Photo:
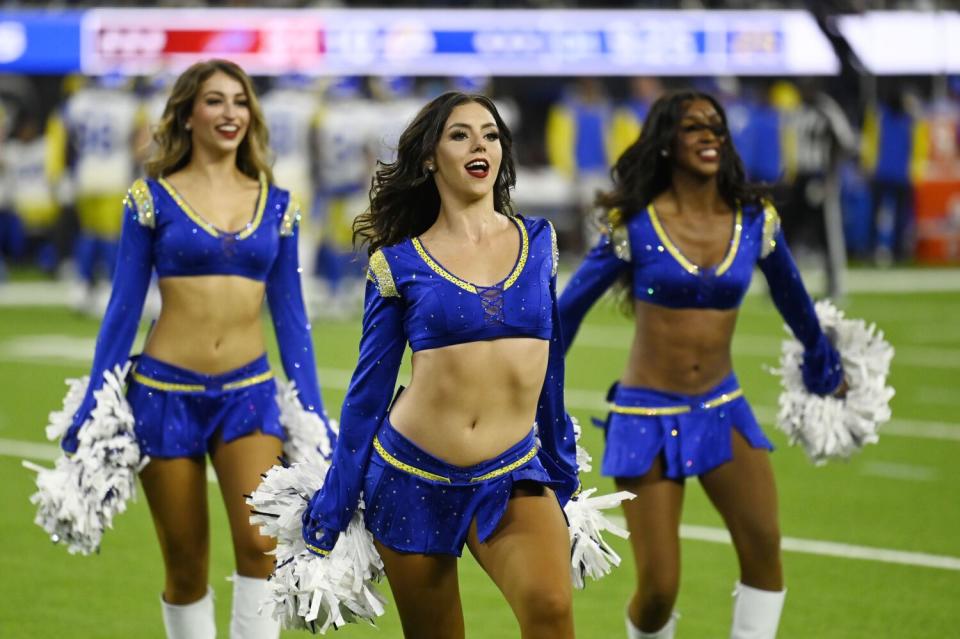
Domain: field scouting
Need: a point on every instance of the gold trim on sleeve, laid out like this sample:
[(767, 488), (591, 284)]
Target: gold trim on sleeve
[(771, 224), (142, 199), (317, 549), (554, 249), (381, 275), (291, 217)]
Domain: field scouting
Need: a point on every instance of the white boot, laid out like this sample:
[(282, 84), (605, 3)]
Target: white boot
[(246, 621), (756, 613), (664, 633), (190, 621)]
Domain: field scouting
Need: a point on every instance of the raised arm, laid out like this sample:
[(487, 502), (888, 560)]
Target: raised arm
[(131, 278), (822, 368), (598, 271), (366, 404), (285, 299)]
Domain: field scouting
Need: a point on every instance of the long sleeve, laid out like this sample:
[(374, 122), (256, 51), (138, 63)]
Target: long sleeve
[(598, 271), (366, 404), (822, 368), (558, 445), (285, 299), (131, 279)]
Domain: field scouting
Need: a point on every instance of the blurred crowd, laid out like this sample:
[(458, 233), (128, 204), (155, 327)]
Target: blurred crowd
[(880, 184)]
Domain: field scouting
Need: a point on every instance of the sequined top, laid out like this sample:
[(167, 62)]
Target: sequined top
[(662, 275), (161, 231), (410, 297)]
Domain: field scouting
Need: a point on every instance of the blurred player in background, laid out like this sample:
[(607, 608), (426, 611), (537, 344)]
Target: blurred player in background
[(101, 120), (578, 143), (33, 164), (816, 135), (347, 126), (628, 117)]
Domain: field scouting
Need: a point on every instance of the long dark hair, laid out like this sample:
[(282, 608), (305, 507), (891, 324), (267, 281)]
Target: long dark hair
[(643, 172), (404, 201)]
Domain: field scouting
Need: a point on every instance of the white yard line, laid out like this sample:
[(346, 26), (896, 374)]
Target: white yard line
[(49, 452), (906, 472)]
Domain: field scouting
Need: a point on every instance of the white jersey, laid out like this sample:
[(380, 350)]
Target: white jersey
[(344, 131), (101, 124), (393, 116), (26, 171), (290, 114)]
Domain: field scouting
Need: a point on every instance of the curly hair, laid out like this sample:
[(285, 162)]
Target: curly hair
[(642, 172), (404, 200), (174, 144)]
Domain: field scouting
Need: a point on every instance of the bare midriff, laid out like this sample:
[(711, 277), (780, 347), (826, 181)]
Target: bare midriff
[(468, 403), (208, 324), (680, 350)]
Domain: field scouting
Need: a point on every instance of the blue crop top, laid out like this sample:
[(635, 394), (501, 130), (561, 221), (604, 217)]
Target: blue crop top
[(161, 231), (411, 298), (663, 276)]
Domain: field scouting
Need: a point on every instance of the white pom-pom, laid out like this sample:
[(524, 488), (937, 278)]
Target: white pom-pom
[(307, 438), (591, 555), (830, 427), (584, 460), (78, 498), (309, 592)]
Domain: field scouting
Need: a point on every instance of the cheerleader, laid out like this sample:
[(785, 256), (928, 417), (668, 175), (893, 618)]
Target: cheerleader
[(221, 238), (684, 231), (454, 459)]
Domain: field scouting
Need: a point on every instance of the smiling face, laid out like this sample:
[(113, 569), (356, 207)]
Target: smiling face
[(221, 114), (467, 158), (701, 137)]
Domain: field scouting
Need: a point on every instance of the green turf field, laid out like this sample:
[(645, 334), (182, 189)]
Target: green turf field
[(900, 495)]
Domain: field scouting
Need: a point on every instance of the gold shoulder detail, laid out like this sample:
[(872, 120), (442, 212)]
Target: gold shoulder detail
[(381, 275), (619, 236), (291, 217), (771, 224), (554, 248), (141, 198)]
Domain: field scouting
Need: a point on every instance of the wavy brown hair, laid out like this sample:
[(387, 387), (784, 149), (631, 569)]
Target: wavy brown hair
[(642, 172), (173, 141), (404, 200)]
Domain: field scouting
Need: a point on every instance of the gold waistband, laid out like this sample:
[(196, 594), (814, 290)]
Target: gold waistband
[(140, 378), (720, 400), (413, 470)]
